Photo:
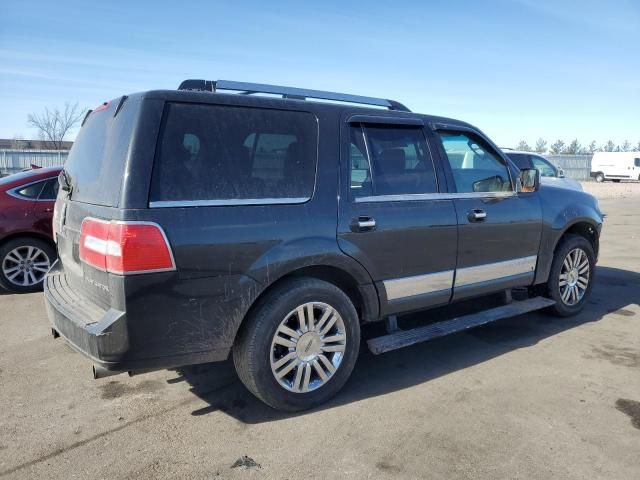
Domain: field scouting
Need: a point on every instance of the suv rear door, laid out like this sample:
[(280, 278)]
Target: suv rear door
[(391, 218), (499, 229)]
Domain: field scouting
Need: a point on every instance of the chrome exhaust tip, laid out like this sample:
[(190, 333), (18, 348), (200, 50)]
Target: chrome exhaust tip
[(101, 372)]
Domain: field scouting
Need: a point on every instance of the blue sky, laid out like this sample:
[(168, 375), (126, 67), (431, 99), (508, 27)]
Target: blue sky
[(515, 68)]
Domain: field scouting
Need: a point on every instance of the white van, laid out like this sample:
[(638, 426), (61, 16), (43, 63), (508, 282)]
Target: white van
[(615, 166)]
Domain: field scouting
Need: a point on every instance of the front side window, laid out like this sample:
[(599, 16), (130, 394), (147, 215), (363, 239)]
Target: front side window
[(636, 162), (475, 168), (544, 167), (212, 152), (390, 160)]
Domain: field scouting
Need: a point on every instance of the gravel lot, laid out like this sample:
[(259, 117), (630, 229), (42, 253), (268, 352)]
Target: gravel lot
[(532, 397)]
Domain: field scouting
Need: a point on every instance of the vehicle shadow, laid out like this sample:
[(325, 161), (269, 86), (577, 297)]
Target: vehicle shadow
[(218, 385)]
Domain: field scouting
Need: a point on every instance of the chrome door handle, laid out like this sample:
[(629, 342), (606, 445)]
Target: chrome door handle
[(363, 224), (477, 215)]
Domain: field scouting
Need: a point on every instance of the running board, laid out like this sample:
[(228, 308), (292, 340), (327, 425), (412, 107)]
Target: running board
[(404, 338)]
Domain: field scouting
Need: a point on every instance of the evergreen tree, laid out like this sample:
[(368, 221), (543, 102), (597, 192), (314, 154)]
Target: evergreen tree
[(557, 147), (541, 145)]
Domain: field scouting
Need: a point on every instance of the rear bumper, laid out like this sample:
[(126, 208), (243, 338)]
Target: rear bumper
[(104, 336)]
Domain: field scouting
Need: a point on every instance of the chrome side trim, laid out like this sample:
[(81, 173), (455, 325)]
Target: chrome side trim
[(433, 196), (418, 285), (495, 271), (227, 202)]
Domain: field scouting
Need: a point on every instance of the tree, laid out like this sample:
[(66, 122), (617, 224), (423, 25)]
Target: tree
[(573, 148), (637, 149), (609, 146), (523, 146), (557, 147), (541, 145), (626, 146), (592, 147), (54, 125)]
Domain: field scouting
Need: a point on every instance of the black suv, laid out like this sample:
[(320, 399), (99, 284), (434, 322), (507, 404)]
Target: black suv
[(193, 224)]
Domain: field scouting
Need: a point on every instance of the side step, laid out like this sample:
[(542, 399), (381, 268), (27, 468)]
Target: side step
[(404, 338)]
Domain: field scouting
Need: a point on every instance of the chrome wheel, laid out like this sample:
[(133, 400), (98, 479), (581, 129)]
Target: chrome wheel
[(25, 266), (308, 347), (574, 277)]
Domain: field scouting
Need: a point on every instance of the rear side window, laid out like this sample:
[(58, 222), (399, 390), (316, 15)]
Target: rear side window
[(223, 154), (30, 191), (390, 160), (475, 167), (522, 161)]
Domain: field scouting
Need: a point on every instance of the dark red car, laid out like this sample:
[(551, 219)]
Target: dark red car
[(27, 249)]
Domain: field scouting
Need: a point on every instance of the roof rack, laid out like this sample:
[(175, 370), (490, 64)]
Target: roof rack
[(246, 88)]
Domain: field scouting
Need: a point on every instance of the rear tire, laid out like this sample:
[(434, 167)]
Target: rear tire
[(571, 276), (24, 262), (292, 364), (599, 177)]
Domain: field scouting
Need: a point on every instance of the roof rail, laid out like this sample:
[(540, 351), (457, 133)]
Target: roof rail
[(246, 88)]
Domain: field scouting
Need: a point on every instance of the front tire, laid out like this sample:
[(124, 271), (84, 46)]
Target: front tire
[(299, 344), (24, 261), (571, 276)]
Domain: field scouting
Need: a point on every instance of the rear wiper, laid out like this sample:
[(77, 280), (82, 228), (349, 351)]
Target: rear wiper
[(65, 182)]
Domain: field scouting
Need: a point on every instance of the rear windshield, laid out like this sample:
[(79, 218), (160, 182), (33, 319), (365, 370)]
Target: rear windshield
[(97, 159), (223, 154)]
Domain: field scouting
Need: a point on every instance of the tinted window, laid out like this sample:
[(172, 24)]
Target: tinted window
[(637, 162), (50, 190), (475, 167), (31, 191), (394, 160), (522, 161), (209, 152), (96, 160), (544, 167)]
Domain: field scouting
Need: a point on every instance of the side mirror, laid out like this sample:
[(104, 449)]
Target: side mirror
[(560, 173), (529, 180)]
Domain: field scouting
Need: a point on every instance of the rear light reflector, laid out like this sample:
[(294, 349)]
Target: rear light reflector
[(125, 247)]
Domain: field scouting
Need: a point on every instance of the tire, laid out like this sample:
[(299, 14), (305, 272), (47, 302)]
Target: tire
[(256, 352), (616, 180), (599, 177), (571, 305), (37, 255)]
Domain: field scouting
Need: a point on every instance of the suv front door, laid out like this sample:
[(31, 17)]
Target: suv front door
[(392, 218), (499, 229)]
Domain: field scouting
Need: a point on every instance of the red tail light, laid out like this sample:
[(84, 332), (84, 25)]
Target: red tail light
[(125, 247)]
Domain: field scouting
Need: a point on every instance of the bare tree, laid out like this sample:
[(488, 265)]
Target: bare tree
[(592, 147), (626, 146), (637, 148), (609, 146), (54, 125)]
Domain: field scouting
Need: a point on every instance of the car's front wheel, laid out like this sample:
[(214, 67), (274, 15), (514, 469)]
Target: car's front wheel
[(299, 344), (24, 262), (572, 274)]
